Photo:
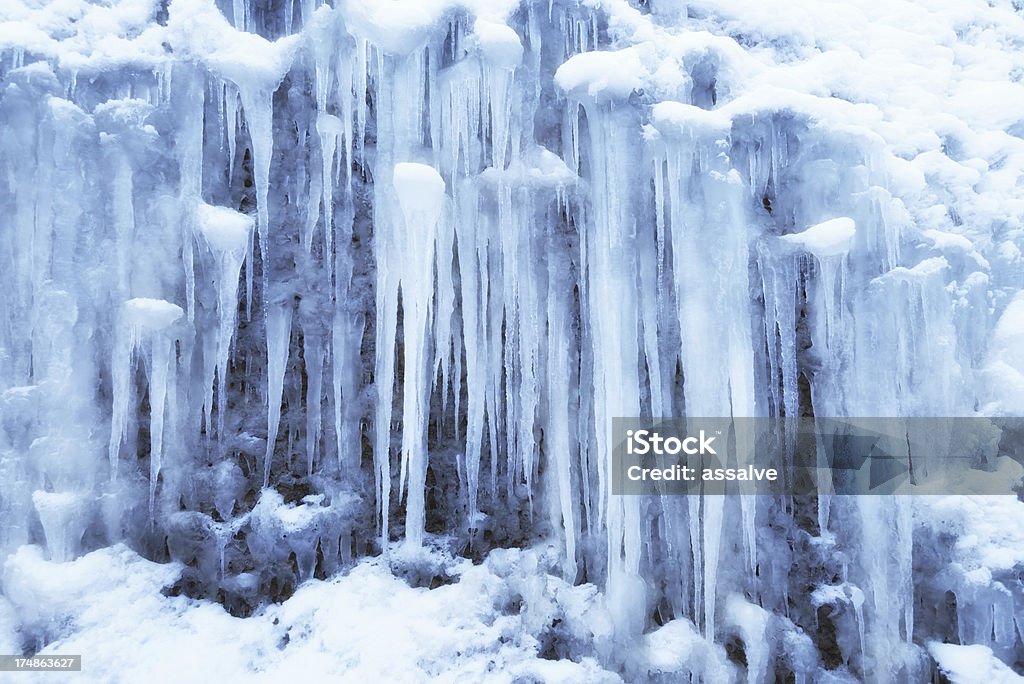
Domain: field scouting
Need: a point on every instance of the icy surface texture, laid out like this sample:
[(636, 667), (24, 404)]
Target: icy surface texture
[(298, 289)]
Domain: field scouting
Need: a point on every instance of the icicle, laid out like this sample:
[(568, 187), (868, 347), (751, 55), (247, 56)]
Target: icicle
[(231, 124), (347, 95), (442, 333), (330, 128), (472, 243), (347, 330), (502, 52), (190, 141), (779, 277), (226, 233), (143, 323), (556, 438), (386, 330), (157, 403), (346, 336), (706, 215), (238, 14), (359, 95), (612, 304), (209, 355), (649, 303), (258, 104), (279, 331), (120, 371), (313, 354), (421, 196)]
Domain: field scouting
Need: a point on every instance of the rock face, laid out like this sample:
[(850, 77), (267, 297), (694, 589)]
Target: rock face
[(291, 285)]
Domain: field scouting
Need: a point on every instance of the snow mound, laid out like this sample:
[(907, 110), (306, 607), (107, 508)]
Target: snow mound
[(537, 168), (401, 26), (197, 30), (225, 230), (827, 239), (970, 664), (420, 189), (601, 76), (499, 43), (676, 648), (149, 315), (674, 119)]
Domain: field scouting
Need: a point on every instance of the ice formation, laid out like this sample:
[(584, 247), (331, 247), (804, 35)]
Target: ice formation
[(299, 289)]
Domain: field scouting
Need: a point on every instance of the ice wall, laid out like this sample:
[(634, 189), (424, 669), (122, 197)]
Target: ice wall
[(289, 284)]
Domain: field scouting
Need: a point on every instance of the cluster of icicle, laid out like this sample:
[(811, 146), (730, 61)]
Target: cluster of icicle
[(450, 249)]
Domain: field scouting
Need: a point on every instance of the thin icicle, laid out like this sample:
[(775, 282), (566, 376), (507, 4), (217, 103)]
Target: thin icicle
[(313, 354), (279, 331)]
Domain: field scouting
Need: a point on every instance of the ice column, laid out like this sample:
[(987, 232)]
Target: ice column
[(401, 94), (710, 248), (613, 308), (421, 196), (556, 439)]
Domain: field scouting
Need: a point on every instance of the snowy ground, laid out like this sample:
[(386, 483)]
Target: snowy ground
[(508, 619), (366, 625)]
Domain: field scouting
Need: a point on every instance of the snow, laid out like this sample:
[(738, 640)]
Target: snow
[(150, 315), (196, 30), (401, 26), (225, 230), (536, 168), (84, 36), (827, 239), (676, 118), (420, 191), (1004, 366), (388, 630), (974, 663), (499, 43), (678, 649), (986, 527), (601, 75)]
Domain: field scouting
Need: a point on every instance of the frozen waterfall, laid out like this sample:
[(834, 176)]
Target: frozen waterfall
[(298, 294)]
